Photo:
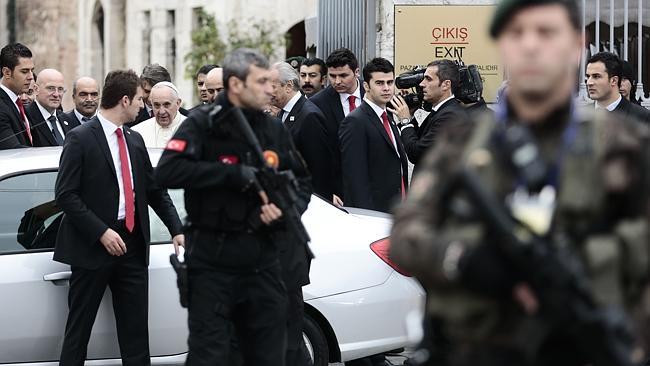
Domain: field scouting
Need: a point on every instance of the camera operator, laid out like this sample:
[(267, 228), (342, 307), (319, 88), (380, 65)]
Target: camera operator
[(439, 80)]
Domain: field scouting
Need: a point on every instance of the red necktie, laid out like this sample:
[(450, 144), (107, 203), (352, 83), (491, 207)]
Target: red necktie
[(19, 103), (351, 100), (389, 132), (126, 181)]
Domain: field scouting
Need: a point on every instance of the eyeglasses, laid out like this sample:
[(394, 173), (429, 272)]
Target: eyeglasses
[(54, 89)]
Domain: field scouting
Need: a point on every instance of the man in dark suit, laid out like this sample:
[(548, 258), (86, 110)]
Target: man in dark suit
[(151, 75), (17, 74), (307, 126), (373, 160), (604, 73), (104, 186), (85, 95), (440, 79), (343, 95), (49, 126)]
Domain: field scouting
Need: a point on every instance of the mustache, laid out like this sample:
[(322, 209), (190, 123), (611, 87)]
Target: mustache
[(89, 104), (307, 85)]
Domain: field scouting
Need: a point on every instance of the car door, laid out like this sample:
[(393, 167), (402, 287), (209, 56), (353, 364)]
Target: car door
[(34, 288)]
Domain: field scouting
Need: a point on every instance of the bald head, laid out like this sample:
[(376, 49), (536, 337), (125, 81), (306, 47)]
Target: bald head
[(85, 94), (165, 102), (49, 89), (214, 83)]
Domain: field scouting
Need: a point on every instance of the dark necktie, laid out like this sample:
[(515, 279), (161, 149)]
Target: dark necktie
[(55, 130), (389, 132), (126, 181), (84, 119), (28, 130), (351, 101)]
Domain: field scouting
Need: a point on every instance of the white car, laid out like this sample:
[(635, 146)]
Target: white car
[(356, 305)]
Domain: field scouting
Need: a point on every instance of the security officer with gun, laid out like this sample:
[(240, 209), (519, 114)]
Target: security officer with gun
[(244, 184), (529, 229)]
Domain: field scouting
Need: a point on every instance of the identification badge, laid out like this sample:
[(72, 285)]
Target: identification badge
[(534, 210)]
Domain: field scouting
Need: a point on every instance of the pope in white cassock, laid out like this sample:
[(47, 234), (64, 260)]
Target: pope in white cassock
[(159, 129)]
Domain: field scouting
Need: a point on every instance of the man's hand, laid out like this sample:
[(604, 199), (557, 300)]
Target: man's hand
[(113, 243), (178, 241), (401, 108), (338, 202), (270, 212)]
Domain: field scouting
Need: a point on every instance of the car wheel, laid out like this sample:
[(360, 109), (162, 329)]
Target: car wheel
[(315, 342)]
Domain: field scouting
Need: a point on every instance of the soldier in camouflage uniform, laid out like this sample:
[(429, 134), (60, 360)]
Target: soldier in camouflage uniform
[(480, 309)]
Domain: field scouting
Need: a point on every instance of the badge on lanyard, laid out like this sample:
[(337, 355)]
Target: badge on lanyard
[(534, 210)]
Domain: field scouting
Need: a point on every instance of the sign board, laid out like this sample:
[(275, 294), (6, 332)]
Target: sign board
[(424, 33)]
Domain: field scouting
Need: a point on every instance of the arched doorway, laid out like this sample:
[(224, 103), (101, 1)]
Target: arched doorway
[(296, 40), (97, 69)]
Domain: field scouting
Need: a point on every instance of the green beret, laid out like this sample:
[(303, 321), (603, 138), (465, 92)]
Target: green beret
[(507, 8)]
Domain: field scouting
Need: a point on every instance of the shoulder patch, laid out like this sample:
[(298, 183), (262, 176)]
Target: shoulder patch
[(176, 145)]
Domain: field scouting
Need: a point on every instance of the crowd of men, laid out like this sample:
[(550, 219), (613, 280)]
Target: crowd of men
[(348, 136)]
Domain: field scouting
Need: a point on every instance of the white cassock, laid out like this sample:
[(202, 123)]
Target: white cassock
[(156, 136)]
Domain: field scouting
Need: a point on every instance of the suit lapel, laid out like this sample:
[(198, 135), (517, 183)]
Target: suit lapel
[(336, 106), (290, 121), (36, 121), (133, 154), (103, 143), (378, 124), (11, 104)]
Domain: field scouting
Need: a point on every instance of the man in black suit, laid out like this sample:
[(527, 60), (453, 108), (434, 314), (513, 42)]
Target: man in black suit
[(49, 126), (151, 75), (440, 79), (342, 96), (104, 186), (373, 160), (85, 95), (307, 126), (201, 75), (604, 73), (17, 74)]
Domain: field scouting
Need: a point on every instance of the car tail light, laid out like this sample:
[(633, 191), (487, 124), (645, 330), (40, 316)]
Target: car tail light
[(382, 249)]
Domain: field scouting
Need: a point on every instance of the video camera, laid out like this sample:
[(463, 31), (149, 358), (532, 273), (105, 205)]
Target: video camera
[(468, 90)]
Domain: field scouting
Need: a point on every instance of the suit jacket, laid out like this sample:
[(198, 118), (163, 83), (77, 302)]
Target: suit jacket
[(329, 102), (418, 140), (308, 128), (12, 129), (629, 110), (87, 191), (371, 166), (41, 132), (143, 115)]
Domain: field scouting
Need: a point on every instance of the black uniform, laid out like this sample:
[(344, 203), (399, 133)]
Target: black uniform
[(234, 271)]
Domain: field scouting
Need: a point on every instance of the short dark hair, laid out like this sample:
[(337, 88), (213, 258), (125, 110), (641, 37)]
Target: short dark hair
[(117, 84), (316, 61), (205, 69), (238, 64), (154, 73), (10, 54), (628, 72), (613, 64), (447, 70), (506, 9), (341, 57), (377, 64)]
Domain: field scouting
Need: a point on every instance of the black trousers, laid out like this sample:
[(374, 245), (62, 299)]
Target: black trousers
[(297, 354), (127, 277), (253, 304)]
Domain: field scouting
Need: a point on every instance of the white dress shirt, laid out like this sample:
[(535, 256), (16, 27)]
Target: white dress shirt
[(289, 106), (80, 116), (47, 115), (345, 96), (612, 106), (109, 130), (379, 111), (155, 135)]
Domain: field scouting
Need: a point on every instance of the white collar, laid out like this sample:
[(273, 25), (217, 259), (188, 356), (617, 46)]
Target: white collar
[(613, 105), (292, 102), (44, 111), (356, 93), (108, 126), (378, 110), (435, 109), (80, 116), (10, 93)]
